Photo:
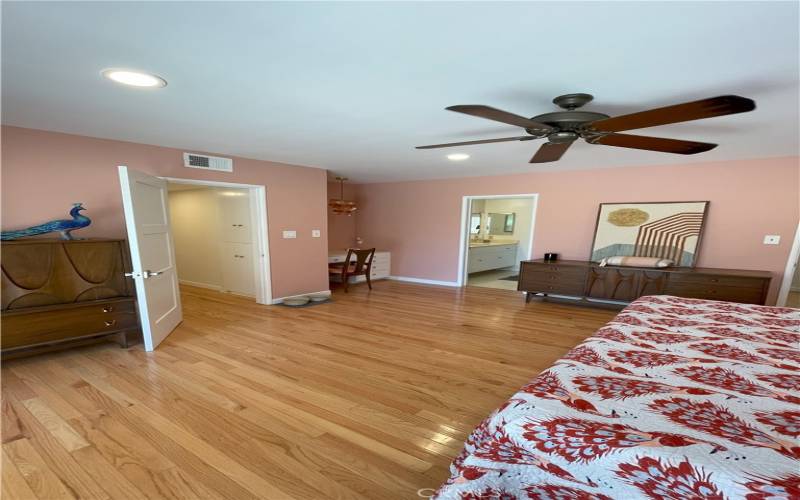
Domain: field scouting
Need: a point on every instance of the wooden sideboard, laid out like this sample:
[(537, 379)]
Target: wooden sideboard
[(589, 280), (58, 292)]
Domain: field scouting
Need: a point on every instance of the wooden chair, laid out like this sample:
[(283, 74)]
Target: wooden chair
[(362, 265)]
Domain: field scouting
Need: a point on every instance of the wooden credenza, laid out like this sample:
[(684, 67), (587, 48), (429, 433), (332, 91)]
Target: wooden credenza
[(589, 280), (57, 293)]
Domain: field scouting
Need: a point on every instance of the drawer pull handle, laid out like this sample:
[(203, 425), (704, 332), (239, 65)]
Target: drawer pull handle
[(108, 309), (111, 322)]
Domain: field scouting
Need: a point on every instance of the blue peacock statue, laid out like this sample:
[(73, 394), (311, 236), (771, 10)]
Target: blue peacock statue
[(64, 226)]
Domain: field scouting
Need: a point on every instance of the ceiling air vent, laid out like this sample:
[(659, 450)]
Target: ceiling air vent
[(206, 162)]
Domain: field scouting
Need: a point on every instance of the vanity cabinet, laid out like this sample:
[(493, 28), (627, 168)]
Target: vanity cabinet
[(488, 257)]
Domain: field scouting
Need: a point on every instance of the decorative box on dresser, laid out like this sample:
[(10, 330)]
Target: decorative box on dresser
[(58, 293), (589, 280)]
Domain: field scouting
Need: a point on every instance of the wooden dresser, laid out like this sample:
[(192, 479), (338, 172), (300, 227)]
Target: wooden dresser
[(590, 281), (57, 293)]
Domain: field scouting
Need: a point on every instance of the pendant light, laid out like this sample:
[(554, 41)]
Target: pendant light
[(342, 206)]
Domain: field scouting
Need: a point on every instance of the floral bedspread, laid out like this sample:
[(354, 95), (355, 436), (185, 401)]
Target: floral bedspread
[(675, 398)]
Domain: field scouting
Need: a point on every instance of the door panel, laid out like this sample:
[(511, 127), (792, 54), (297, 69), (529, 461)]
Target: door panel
[(237, 273), (235, 216), (144, 200)]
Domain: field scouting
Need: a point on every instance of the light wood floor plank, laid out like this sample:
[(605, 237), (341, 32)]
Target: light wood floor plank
[(369, 396)]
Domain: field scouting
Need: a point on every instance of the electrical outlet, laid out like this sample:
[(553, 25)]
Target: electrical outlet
[(289, 234), (772, 239), (315, 233)]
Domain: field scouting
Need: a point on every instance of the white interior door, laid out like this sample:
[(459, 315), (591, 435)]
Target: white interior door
[(146, 206)]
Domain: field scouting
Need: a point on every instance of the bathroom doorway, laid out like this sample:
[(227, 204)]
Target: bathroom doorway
[(497, 234)]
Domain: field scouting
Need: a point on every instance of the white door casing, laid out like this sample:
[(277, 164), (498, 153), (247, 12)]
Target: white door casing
[(146, 208)]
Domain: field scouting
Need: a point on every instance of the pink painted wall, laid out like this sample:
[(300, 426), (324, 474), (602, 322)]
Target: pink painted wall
[(419, 222), (44, 172), (341, 228)]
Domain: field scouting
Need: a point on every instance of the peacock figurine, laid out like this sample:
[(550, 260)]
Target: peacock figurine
[(64, 226)]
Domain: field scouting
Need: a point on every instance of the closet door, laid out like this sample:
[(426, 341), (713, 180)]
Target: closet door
[(237, 272), (235, 215)]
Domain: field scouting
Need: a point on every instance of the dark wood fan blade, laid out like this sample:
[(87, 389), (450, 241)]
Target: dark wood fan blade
[(652, 143), (697, 110), (550, 152), (499, 115), (484, 141)]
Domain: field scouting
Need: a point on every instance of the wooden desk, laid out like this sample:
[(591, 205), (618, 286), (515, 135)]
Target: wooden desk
[(381, 264)]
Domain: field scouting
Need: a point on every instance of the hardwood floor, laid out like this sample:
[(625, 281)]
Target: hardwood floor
[(370, 396)]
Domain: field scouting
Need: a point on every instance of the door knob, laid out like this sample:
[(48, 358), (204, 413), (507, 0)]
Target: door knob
[(148, 273)]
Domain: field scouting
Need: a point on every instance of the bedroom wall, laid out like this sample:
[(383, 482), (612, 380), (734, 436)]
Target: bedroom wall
[(749, 199), (44, 172)]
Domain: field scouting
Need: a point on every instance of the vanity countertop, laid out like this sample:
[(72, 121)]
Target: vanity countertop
[(479, 244)]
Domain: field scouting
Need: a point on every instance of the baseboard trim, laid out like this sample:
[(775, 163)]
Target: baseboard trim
[(423, 281), (794, 289), (216, 288), (281, 299)]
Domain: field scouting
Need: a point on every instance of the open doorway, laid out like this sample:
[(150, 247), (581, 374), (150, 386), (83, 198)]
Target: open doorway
[(497, 234), (219, 234), (789, 293)]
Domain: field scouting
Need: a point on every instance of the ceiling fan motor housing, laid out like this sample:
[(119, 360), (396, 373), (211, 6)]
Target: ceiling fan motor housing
[(568, 123), (566, 120)]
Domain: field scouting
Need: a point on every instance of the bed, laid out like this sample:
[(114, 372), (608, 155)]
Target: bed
[(674, 398)]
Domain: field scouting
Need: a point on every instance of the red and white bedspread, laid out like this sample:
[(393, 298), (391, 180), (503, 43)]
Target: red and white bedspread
[(675, 398)]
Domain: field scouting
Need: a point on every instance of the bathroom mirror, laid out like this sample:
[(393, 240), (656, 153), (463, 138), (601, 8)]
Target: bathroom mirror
[(501, 224)]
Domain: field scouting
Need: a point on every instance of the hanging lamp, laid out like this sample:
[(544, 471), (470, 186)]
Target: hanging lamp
[(342, 206)]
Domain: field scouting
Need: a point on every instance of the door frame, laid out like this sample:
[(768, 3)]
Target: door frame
[(463, 245), (788, 273), (260, 231)]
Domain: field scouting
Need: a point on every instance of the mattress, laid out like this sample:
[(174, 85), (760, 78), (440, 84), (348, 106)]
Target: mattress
[(675, 398)]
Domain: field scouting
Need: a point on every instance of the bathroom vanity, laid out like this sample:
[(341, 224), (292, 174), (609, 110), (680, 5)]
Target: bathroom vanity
[(491, 255)]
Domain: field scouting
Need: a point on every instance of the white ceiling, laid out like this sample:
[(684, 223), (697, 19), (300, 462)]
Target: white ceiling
[(353, 87)]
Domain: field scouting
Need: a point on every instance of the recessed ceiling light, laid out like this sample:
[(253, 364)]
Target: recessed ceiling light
[(134, 78), (457, 156)]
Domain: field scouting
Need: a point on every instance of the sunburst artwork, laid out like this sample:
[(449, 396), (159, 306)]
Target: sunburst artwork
[(664, 230)]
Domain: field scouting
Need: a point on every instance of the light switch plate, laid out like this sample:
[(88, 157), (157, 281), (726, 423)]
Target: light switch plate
[(315, 233), (772, 239), (289, 234)]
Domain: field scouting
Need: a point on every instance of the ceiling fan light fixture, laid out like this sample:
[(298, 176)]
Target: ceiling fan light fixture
[(457, 156)]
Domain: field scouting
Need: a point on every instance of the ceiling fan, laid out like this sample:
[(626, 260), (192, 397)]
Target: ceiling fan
[(562, 128)]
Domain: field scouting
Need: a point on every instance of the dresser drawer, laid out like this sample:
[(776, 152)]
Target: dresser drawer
[(550, 278), (753, 294), (550, 272), (715, 280), (57, 324)]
